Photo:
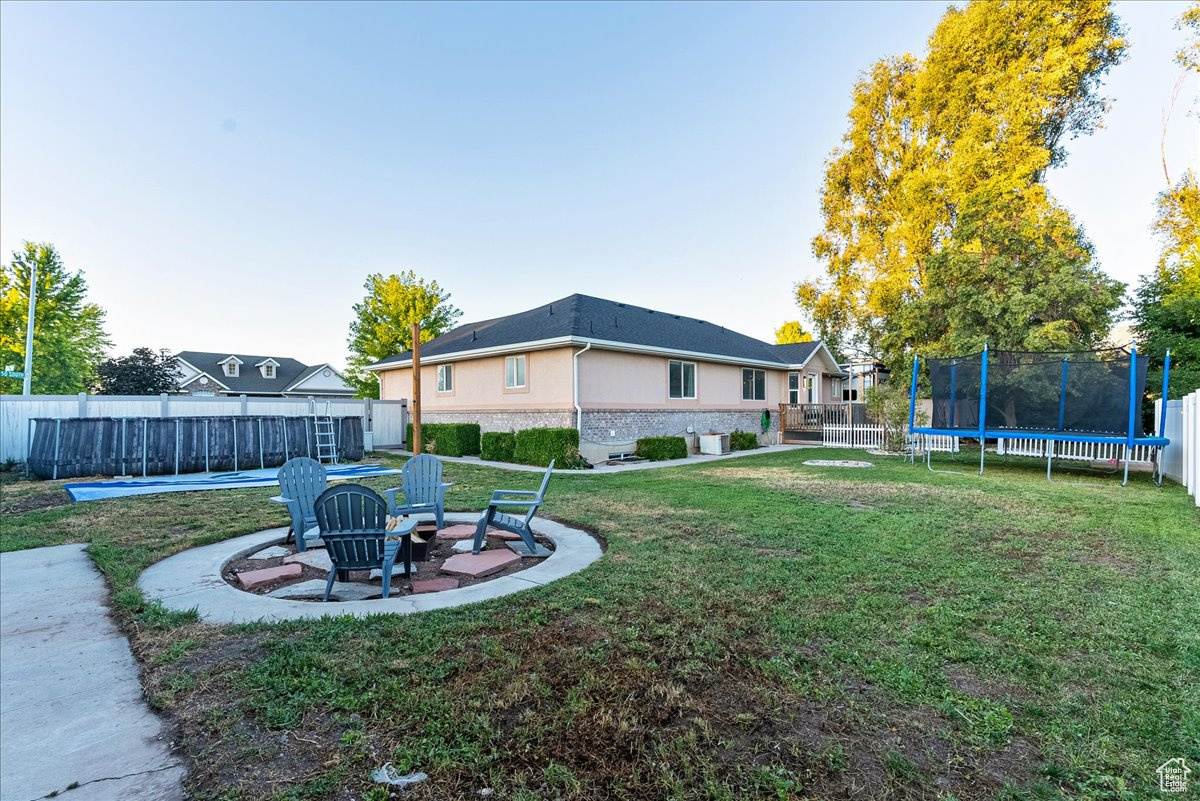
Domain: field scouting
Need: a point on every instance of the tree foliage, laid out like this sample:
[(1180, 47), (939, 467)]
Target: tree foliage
[(791, 333), (936, 198), (68, 332), (143, 372), (382, 324), (1188, 56), (1166, 306)]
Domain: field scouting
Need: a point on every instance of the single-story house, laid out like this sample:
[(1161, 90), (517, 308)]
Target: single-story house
[(614, 371), (212, 374)]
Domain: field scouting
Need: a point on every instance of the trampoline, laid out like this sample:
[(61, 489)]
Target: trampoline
[(1054, 397)]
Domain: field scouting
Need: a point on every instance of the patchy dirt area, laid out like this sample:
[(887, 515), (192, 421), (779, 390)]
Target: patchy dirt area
[(18, 495), (429, 568)]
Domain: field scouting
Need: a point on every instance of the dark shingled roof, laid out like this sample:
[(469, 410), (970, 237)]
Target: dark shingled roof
[(586, 317), (250, 380)]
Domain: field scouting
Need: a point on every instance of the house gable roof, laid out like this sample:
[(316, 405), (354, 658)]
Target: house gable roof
[(251, 382), (582, 318), (312, 371)]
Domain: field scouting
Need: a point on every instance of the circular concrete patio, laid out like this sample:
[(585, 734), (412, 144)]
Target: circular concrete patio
[(192, 579)]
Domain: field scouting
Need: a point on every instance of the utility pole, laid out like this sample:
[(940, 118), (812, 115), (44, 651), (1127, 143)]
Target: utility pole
[(416, 389), (28, 385)]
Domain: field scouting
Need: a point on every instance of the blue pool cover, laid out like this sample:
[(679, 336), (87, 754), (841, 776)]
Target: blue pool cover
[(116, 488)]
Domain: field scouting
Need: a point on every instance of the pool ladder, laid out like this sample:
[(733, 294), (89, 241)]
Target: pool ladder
[(327, 450)]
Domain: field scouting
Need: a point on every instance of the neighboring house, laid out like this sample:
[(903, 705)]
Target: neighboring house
[(211, 374), (861, 375), (614, 371)]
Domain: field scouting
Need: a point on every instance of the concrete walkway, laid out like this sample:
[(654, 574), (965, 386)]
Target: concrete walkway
[(696, 458), (71, 706)]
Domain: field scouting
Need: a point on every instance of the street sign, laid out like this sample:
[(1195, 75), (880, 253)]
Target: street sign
[(12, 374)]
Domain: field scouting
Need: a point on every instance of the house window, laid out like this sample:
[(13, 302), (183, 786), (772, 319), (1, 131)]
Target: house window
[(445, 374), (793, 388), (268, 371), (514, 372), (681, 380), (810, 389), (836, 388), (231, 369), (754, 384)]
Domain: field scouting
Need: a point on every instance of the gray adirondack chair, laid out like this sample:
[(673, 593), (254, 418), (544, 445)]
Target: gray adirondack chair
[(353, 523), (528, 499), (423, 488), (301, 480)]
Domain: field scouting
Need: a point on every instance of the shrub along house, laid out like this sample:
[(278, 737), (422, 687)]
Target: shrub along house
[(615, 372)]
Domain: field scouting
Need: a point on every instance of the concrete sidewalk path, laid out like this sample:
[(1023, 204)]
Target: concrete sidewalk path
[(71, 706)]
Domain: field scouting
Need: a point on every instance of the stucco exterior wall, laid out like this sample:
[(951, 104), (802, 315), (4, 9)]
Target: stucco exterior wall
[(611, 379), (479, 384)]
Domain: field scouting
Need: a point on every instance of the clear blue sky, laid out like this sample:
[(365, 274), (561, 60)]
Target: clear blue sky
[(228, 174)]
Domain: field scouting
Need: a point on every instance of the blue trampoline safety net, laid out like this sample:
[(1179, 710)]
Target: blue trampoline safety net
[(1078, 392)]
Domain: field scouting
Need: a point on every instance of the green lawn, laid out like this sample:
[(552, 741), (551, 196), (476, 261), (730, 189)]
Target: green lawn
[(756, 629)]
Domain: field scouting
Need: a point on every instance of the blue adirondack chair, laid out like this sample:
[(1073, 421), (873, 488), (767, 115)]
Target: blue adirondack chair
[(301, 480), (423, 488), (517, 525), (353, 523)]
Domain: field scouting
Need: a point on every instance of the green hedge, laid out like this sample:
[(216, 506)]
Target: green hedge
[(658, 449), (743, 441), (540, 445), (498, 446), (452, 439)]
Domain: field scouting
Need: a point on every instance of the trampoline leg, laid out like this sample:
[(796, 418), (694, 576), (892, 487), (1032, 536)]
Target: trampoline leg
[(982, 451), (1049, 459), (1158, 466), (1125, 480)]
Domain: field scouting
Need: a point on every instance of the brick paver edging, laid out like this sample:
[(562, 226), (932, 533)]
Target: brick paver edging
[(192, 579)]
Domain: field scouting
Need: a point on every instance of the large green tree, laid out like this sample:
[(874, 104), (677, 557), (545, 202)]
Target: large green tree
[(143, 372), (68, 332), (1166, 304), (382, 324), (934, 205), (791, 333)]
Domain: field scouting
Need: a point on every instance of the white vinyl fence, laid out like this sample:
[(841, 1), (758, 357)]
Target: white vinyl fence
[(1181, 459), (1078, 451), (847, 436), (384, 422), (872, 436)]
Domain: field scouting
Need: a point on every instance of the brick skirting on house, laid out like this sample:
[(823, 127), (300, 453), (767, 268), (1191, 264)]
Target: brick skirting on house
[(505, 419), (608, 431)]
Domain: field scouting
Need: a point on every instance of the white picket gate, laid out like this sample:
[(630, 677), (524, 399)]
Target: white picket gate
[(870, 436), (847, 436)]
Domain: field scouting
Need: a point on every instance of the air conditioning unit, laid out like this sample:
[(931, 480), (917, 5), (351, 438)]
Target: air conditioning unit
[(714, 444)]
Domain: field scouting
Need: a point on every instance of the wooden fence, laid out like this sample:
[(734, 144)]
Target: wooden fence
[(383, 422), (71, 447)]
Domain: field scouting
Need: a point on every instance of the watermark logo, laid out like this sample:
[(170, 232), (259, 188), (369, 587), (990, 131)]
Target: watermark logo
[(1172, 775)]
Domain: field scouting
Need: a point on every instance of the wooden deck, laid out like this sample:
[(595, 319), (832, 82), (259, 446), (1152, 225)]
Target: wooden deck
[(803, 423)]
